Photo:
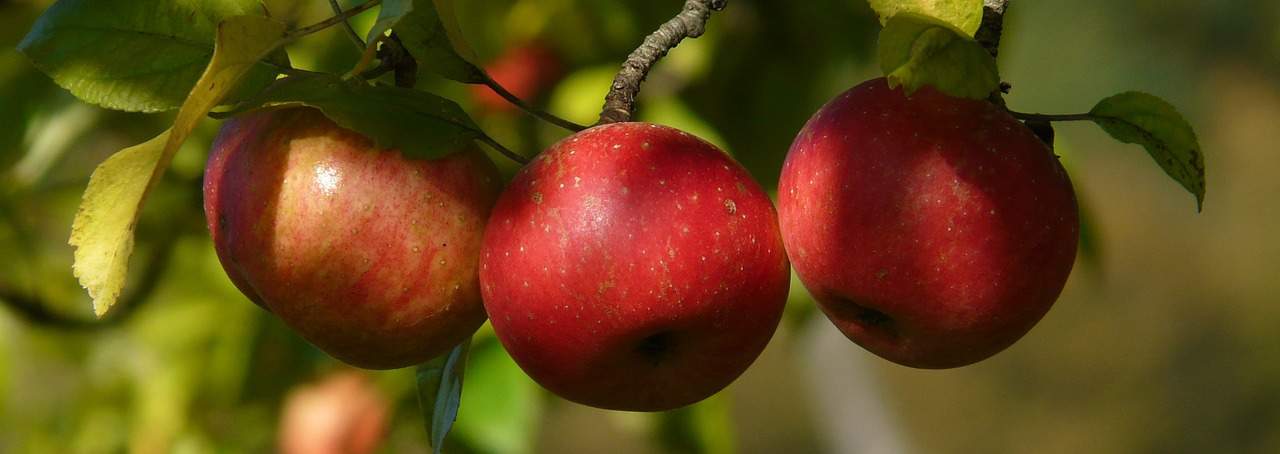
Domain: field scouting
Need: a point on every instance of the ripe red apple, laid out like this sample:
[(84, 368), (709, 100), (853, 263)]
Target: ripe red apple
[(934, 231), (633, 266), (371, 256), (525, 70)]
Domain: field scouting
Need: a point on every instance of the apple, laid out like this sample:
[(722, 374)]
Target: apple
[(933, 231), (525, 70), (369, 255), (343, 413), (634, 267)]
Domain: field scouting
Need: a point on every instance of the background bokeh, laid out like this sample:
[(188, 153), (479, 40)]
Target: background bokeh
[(1167, 338)]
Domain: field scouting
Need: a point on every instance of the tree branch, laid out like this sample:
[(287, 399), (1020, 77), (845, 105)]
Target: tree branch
[(992, 25), (335, 20), (37, 311), (690, 23), (351, 32)]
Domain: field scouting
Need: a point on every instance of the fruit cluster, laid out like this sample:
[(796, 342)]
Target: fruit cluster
[(633, 266)]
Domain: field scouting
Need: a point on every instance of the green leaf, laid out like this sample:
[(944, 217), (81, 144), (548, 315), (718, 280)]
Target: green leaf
[(503, 404), (419, 124), (915, 51), (964, 15), (135, 55), (1147, 120), (702, 428), (389, 14), (440, 392), (431, 34), (102, 231)]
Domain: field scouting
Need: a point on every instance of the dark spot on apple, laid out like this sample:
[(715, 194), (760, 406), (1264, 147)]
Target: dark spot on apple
[(656, 347), (222, 223), (865, 317)]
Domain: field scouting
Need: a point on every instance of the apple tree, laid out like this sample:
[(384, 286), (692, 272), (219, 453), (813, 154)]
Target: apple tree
[(632, 263)]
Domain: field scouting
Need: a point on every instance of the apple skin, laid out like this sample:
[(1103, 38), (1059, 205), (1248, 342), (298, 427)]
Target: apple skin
[(634, 267), (933, 231), (367, 254), (526, 70), (344, 413)]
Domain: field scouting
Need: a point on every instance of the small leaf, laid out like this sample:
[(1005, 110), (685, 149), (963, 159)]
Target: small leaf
[(417, 123), (440, 392), (915, 51), (431, 34), (964, 15), (134, 55), (1147, 120), (102, 231)]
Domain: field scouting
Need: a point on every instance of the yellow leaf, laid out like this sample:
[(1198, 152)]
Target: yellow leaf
[(102, 232), (965, 15)]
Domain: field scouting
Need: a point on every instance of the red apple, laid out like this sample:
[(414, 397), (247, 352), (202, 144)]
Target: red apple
[(633, 266), (342, 414), (369, 255), (934, 231), (525, 70)]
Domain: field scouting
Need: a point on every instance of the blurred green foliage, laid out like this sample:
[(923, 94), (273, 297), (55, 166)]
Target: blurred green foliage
[(1164, 342)]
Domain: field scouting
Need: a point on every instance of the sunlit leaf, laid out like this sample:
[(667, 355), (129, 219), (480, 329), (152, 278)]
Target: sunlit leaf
[(503, 404), (431, 34), (134, 55), (964, 15), (440, 392), (102, 232), (915, 51), (417, 123), (1147, 120)]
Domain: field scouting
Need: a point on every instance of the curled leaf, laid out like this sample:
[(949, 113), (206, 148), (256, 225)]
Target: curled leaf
[(915, 51), (102, 232)]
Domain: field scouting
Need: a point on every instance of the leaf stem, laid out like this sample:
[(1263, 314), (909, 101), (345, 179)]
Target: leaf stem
[(503, 150), (541, 114), (619, 104), (1051, 117), (351, 32), (335, 20)]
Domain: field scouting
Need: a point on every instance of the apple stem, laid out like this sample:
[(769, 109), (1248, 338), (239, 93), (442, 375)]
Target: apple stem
[(351, 32), (503, 150), (540, 114), (619, 104), (1051, 117)]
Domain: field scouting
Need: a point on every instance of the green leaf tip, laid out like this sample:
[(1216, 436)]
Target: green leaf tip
[(440, 392)]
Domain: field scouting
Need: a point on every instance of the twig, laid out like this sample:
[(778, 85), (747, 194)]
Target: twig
[(992, 25), (542, 114), (351, 32), (335, 20), (504, 150), (620, 103)]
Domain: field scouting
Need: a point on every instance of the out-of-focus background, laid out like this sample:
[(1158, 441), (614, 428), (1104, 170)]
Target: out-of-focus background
[(1167, 338)]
